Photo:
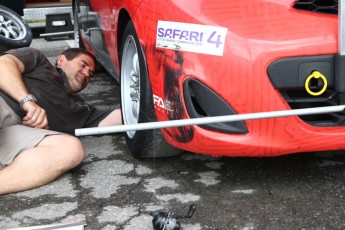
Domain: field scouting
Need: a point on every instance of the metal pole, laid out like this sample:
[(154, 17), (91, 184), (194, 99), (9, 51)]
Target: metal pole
[(341, 25), (206, 120), (339, 68), (57, 33)]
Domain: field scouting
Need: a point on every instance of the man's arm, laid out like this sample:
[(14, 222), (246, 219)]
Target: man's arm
[(11, 69), (114, 118), (11, 83)]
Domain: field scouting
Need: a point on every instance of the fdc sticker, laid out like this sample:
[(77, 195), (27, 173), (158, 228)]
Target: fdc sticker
[(191, 37)]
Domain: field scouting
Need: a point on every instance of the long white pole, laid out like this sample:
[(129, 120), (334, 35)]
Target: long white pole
[(341, 19), (207, 120)]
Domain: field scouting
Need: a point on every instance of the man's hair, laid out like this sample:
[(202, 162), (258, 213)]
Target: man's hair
[(72, 53)]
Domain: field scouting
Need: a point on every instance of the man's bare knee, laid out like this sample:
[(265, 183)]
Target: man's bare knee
[(68, 147)]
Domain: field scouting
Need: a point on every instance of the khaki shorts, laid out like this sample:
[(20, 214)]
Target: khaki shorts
[(15, 137)]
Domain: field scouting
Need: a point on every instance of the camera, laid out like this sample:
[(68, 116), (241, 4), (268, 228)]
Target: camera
[(167, 221)]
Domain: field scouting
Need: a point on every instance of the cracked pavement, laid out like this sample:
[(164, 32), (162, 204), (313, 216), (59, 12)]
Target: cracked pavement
[(113, 190)]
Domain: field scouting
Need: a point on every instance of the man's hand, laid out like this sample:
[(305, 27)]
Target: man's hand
[(36, 117)]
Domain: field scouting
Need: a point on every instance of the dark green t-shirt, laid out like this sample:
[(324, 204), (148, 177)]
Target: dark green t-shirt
[(66, 112)]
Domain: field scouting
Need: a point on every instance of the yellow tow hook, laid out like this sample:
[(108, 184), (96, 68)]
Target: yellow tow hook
[(317, 75)]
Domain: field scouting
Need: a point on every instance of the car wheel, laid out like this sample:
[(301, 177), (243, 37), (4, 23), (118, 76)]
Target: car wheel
[(14, 31), (137, 101)]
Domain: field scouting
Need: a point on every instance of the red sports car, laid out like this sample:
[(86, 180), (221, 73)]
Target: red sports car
[(178, 59)]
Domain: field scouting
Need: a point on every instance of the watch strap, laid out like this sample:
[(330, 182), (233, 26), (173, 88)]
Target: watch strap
[(27, 98)]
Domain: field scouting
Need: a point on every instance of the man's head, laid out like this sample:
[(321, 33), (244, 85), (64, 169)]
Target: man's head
[(78, 65)]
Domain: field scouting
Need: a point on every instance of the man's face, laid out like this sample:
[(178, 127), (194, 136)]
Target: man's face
[(78, 71)]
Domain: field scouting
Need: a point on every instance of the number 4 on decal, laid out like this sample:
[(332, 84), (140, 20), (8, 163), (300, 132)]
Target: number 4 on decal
[(213, 39)]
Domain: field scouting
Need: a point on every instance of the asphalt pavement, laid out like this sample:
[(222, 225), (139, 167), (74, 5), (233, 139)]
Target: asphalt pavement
[(113, 190)]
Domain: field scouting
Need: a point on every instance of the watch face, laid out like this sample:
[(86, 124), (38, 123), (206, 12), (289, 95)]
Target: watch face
[(31, 98)]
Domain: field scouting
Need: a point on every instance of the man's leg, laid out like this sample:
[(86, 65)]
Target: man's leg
[(37, 166)]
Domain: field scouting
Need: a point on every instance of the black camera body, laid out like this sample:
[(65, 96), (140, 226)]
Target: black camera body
[(166, 221), (163, 220)]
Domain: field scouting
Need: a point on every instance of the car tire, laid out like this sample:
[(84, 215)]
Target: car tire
[(137, 101), (15, 32)]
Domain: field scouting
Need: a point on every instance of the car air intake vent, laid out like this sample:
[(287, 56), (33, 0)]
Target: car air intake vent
[(318, 6), (201, 102)]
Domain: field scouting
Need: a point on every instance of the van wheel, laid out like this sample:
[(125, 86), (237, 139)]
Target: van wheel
[(15, 32)]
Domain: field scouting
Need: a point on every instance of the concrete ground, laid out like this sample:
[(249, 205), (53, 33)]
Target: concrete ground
[(114, 190)]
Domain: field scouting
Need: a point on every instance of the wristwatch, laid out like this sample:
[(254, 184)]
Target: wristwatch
[(27, 98)]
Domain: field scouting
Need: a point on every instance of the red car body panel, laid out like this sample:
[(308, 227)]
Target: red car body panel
[(259, 32)]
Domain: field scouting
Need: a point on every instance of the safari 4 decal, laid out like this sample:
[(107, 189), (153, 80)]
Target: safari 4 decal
[(191, 37)]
